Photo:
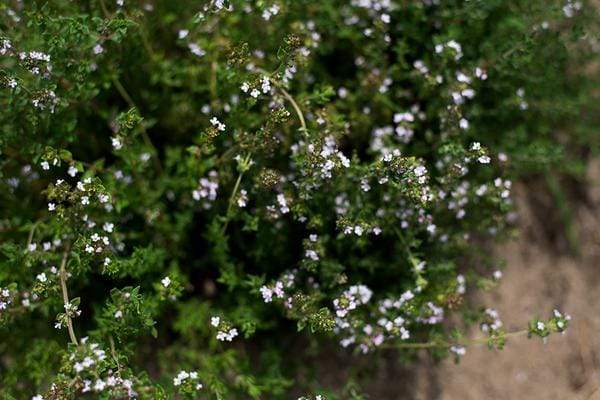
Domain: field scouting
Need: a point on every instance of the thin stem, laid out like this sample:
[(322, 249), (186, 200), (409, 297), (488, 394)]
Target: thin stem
[(296, 108), (234, 193), (65, 293), (123, 92), (146, 43), (409, 252), (225, 156), (113, 352), (20, 81), (125, 95), (444, 344), (30, 237), (291, 100), (213, 83), (104, 9)]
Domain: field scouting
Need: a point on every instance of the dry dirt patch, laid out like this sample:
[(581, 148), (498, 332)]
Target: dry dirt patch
[(538, 278)]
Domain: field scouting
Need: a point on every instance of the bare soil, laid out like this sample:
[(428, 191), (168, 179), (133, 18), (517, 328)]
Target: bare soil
[(540, 276), (542, 273)]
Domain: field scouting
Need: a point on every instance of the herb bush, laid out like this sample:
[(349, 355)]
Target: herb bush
[(199, 197)]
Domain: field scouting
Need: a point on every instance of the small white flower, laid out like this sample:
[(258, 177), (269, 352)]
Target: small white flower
[(227, 335), (312, 255), (98, 49), (51, 206), (215, 321), (166, 281), (266, 293), (217, 124), (283, 205), (45, 165), (484, 159), (265, 85), (541, 326), (196, 50), (108, 227), (458, 350), (116, 143), (99, 385), (242, 199), (72, 171), (480, 73)]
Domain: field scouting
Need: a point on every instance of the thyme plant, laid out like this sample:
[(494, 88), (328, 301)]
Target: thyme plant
[(193, 191)]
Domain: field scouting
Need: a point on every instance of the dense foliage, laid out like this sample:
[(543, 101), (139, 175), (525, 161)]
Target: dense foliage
[(198, 197)]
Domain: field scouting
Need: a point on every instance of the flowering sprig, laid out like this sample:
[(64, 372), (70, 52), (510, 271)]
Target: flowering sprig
[(558, 323), (225, 330), (88, 371), (169, 287), (6, 299), (128, 313), (187, 383), (261, 161), (543, 328)]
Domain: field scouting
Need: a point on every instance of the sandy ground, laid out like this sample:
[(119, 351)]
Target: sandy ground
[(540, 276)]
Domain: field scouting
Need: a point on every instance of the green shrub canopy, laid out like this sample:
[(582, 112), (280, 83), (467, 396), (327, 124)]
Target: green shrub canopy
[(198, 197)]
